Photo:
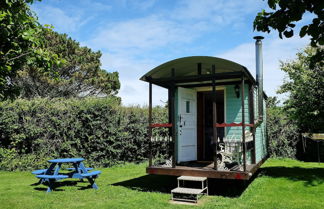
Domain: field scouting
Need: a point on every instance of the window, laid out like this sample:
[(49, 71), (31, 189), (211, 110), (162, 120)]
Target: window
[(187, 106)]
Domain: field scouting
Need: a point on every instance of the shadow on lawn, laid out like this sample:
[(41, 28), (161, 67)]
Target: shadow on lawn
[(82, 185), (164, 184), (311, 176)]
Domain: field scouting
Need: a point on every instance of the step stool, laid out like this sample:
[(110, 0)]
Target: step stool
[(190, 191)]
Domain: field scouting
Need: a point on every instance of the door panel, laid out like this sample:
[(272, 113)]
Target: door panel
[(187, 124)]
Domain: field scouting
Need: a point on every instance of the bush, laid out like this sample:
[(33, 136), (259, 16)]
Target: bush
[(97, 129), (282, 131)]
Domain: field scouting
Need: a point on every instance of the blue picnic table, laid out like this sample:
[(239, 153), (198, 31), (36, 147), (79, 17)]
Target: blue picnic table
[(78, 171)]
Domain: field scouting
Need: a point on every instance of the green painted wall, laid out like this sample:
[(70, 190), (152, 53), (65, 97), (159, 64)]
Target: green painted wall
[(234, 114), (260, 135), (234, 111)]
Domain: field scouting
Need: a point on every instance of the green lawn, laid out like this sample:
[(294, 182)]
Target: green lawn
[(279, 184)]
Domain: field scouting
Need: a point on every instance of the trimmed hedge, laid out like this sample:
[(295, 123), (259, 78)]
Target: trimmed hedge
[(97, 129)]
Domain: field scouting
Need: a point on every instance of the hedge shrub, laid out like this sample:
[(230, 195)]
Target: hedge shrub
[(97, 129)]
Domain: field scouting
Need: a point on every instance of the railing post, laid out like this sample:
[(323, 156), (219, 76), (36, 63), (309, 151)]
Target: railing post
[(214, 117), (172, 103), (149, 134), (243, 125), (251, 113)]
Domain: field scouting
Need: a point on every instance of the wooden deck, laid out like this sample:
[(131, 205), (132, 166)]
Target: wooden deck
[(204, 169)]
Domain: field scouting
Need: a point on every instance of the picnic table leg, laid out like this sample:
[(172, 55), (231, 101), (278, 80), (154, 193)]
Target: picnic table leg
[(83, 169), (79, 169), (50, 185), (57, 169), (92, 182), (49, 170), (76, 167)]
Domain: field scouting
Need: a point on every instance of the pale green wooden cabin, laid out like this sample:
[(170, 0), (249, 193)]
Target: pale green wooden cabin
[(216, 117)]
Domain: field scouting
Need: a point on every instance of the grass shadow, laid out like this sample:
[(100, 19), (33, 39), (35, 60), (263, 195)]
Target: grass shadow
[(310, 176), (150, 183), (164, 184), (61, 184)]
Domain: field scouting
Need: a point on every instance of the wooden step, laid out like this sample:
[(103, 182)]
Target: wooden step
[(192, 178), (181, 190)]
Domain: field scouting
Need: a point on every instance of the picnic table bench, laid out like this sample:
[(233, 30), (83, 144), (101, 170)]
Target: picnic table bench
[(79, 171)]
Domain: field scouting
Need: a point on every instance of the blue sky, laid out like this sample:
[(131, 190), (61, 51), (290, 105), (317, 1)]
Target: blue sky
[(138, 35)]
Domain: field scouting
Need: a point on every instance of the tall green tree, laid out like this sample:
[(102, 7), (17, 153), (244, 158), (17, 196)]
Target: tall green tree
[(282, 131), (285, 13), (305, 88), (79, 76), (20, 44)]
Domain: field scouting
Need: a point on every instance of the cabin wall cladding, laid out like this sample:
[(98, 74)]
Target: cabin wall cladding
[(260, 135), (234, 111), (234, 115)]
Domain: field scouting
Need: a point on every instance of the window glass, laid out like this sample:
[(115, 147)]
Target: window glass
[(187, 106)]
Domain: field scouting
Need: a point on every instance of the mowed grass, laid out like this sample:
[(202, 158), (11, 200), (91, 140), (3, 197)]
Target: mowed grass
[(278, 184)]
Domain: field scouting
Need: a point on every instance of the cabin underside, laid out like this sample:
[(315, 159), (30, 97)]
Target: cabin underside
[(204, 169)]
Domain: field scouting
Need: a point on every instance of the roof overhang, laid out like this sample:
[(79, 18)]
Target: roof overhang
[(197, 71)]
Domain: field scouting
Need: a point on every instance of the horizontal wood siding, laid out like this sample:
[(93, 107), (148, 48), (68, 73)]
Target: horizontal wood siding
[(260, 135), (234, 111)]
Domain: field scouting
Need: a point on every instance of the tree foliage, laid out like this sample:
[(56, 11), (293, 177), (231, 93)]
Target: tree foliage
[(20, 44), (282, 131), (80, 75), (285, 13), (305, 87)]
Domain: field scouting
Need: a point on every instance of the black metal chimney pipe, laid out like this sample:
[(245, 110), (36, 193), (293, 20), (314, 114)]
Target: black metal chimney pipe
[(259, 74)]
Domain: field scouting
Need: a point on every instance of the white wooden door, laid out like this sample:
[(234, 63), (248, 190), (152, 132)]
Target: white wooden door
[(187, 124)]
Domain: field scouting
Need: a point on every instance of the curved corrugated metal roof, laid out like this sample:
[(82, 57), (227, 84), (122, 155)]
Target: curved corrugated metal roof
[(188, 66)]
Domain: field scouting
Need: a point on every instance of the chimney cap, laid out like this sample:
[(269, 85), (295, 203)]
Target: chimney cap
[(258, 37)]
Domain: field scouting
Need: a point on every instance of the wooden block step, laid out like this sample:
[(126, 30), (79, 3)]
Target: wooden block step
[(181, 190), (192, 178)]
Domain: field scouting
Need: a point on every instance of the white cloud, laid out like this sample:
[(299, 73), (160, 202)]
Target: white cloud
[(220, 12), (61, 21), (133, 91), (140, 34), (143, 5), (274, 51)]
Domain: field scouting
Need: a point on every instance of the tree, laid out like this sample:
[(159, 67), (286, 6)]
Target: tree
[(305, 86), (284, 15), (281, 131), (20, 44), (79, 76)]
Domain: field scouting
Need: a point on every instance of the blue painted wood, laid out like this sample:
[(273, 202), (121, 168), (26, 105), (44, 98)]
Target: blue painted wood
[(39, 172), (50, 169), (79, 171), (90, 174), (83, 168), (73, 169), (57, 169), (66, 160), (76, 176), (56, 177)]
